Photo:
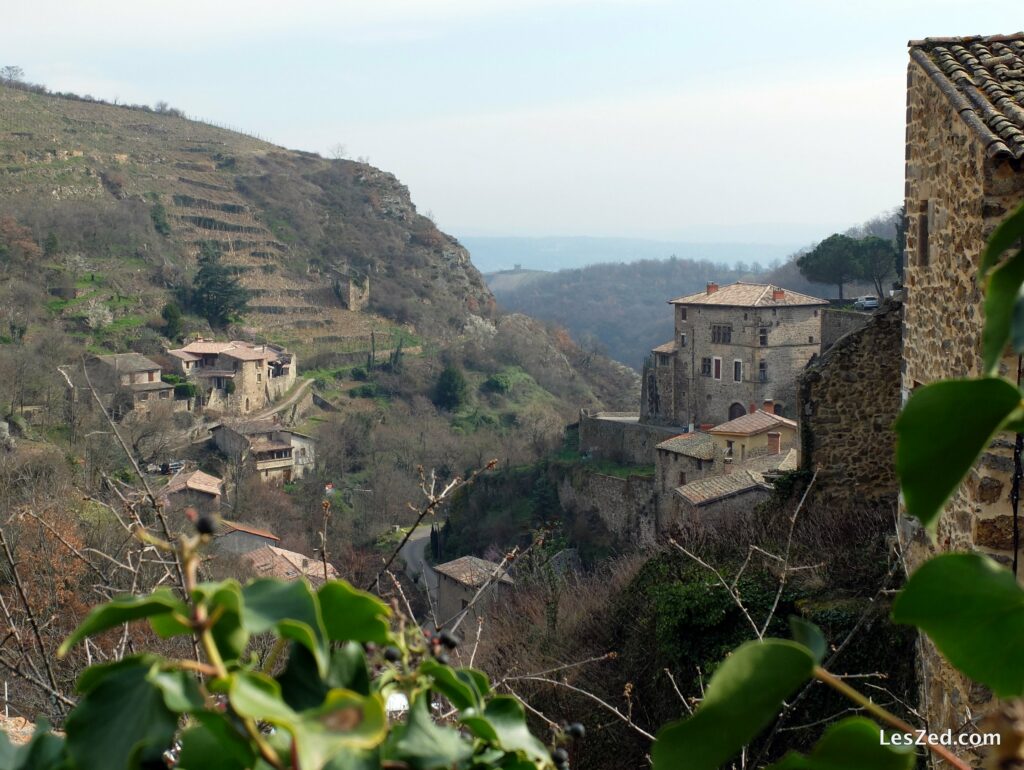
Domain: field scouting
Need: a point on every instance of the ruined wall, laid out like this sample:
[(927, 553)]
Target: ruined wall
[(618, 436), (963, 195), (625, 506), (848, 400), (836, 323)]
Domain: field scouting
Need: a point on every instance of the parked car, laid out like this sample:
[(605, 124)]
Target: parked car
[(867, 302)]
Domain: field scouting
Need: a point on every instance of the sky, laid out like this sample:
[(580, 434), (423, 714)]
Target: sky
[(737, 120)]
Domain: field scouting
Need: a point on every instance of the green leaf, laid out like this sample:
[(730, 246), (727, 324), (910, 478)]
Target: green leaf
[(853, 744), (301, 685), (44, 751), (350, 614), (460, 690), (424, 745), (1004, 237), (121, 719), (258, 696), (508, 719), (118, 611), (1001, 300), (973, 609), (291, 609), (180, 690), (8, 753), (225, 599), (742, 698), (940, 433), (96, 673), (809, 635), (214, 743)]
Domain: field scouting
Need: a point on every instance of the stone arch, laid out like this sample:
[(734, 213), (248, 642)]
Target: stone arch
[(737, 410)]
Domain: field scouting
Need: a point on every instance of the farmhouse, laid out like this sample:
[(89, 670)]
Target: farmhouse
[(459, 581), (279, 454)]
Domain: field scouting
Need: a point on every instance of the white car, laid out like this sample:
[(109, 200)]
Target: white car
[(868, 302)]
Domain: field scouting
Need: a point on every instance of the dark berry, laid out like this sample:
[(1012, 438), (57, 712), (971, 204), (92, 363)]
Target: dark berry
[(442, 658), (560, 755), (575, 730), (392, 654), (205, 524), (449, 640)]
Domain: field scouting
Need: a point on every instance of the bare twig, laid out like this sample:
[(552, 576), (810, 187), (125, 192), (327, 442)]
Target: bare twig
[(589, 695)]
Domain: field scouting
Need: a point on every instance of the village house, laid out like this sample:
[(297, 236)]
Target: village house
[(192, 489), (459, 581), (123, 381), (684, 458), (273, 562), (964, 153), (235, 537), (759, 433), (278, 454), (236, 377), (735, 347)]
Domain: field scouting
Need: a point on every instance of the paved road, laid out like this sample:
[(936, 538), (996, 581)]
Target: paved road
[(413, 554)]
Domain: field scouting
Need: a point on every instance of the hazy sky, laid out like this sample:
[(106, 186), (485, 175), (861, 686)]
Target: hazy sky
[(733, 120)]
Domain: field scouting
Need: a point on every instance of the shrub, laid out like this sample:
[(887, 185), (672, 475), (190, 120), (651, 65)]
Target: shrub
[(450, 391)]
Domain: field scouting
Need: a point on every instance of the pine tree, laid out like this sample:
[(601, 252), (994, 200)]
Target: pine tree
[(216, 293)]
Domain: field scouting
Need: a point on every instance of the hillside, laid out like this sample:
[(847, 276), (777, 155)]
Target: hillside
[(126, 198)]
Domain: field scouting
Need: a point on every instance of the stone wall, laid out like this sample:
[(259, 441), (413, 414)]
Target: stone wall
[(962, 195), (625, 506), (619, 436), (848, 400), (835, 323)]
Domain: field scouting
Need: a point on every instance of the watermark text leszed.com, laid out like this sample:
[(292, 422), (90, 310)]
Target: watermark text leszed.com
[(946, 738)]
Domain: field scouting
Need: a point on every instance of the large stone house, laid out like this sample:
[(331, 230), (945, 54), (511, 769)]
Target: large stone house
[(123, 381), (236, 377), (735, 347), (277, 453), (761, 432), (458, 582), (964, 152), (192, 489)]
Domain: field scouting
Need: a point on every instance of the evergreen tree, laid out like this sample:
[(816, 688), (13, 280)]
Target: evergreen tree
[(216, 293), (450, 391), (171, 314)]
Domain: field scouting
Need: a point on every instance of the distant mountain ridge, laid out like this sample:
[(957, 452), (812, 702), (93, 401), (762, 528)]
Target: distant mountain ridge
[(493, 254)]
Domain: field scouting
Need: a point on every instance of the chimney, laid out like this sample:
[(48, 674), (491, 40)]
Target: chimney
[(778, 294), (751, 408), (712, 287), (769, 406), (774, 443)]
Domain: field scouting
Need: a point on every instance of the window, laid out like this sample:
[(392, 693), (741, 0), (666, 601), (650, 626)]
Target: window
[(465, 604), (152, 376), (762, 371), (810, 339), (922, 234), (721, 333), (728, 450), (737, 371), (682, 477), (815, 313), (718, 368), (259, 376), (165, 394), (705, 367), (143, 397), (764, 337), (663, 359), (682, 314), (682, 340)]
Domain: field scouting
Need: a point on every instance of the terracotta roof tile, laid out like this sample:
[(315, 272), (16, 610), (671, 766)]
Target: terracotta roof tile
[(271, 561), (742, 294), (696, 444), (226, 527), (983, 78), (196, 481), (752, 424), (668, 347), (129, 362), (471, 571), (183, 354)]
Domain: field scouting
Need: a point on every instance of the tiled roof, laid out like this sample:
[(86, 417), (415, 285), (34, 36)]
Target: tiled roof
[(983, 78), (271, 561), (782, 461), (253, 427), (742, 294), (250, 353), (696, 444), (227, 527), (206, 347), (183, 354), (129, 362), (714, 488), (471, 571), (155, 385), (668, 347), (752, 424), (196, 481)]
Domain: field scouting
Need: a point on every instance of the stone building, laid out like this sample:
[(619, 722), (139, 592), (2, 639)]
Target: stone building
[(192, 489), (123, 381), (236, 377), (761, 432), (735, 347), (278, 454), (273, 562), (964, 151), (685, 458), (458, 582), (234, 537)]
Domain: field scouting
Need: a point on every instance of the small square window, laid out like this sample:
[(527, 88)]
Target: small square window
[(705, 367)]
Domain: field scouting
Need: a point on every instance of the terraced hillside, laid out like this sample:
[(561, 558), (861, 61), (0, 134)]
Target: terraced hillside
[(127, 197)]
